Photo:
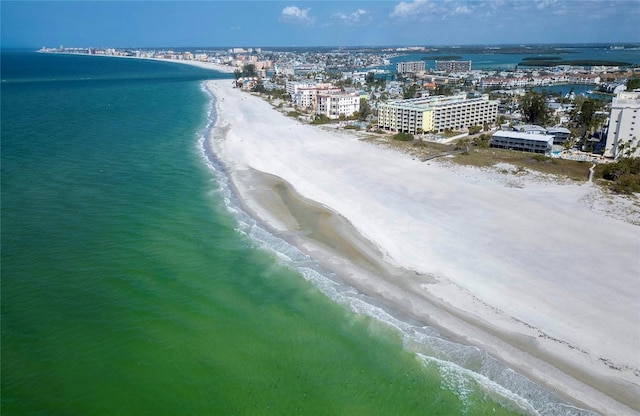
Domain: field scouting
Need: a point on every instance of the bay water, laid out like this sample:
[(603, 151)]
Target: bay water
[(133, 284)]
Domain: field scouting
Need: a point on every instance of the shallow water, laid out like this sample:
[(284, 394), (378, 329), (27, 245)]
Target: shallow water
[(133, 283)]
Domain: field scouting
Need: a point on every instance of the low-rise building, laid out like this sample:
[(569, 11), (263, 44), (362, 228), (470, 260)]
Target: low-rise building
[(560, 134), (525, 142)]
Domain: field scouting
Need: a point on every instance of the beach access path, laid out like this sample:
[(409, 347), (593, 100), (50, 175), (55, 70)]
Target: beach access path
[(531, 273)]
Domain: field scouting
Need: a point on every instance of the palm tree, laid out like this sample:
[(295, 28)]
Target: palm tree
[(619, 150)]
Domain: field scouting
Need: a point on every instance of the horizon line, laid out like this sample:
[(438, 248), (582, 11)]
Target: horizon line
[(457, 45)]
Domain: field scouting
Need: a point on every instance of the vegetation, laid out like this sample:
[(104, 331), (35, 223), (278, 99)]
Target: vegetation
[(624, 175), (540, 158), (534, 109), (376, 83), (481, 155), (475, 129), (462, 144), (542, 58), (249, 70), (586, 117), (450, 133), (410, 91), (444, 89), (370, 78), (279, 94), (587, 114), (403, 137), (633, 83), (441, 58), (321, 119), (481, 141), (365, 109)]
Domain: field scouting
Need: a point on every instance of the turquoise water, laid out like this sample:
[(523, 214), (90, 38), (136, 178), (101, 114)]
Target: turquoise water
[(498, 61), (133, 284)]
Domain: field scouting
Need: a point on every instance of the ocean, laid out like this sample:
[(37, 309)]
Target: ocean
[(133, 283)]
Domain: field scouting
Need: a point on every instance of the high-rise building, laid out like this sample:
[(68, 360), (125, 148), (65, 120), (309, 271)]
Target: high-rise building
[(623, 138), (453, 66), (409, 67)]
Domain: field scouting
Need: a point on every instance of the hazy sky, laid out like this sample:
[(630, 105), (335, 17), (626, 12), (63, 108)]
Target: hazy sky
[(316, 23)]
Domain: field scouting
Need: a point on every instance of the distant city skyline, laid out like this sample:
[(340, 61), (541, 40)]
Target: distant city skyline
[(147, 24)]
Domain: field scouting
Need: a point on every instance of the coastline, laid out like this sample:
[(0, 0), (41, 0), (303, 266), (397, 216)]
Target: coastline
[(204, 65), (361, 240)]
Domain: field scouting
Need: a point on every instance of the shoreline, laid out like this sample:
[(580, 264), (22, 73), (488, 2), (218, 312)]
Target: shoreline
[(332, 241), (329, 236), (225, 69)]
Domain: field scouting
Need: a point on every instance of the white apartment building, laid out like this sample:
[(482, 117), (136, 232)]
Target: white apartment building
[(436, 113), (292, 86), (623, 133), (308, 97), (409, 67), (453, 66), (333, 105)]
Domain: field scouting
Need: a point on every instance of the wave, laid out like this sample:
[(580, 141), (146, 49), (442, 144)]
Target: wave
[(463, 369)]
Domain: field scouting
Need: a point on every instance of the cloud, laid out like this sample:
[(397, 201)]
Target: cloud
[(359, 17), (405, 10), (541, 5), (462, 10), (424, 10), (296, 15)]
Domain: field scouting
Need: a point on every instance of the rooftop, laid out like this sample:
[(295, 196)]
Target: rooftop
[(426, 103), (523, 136)]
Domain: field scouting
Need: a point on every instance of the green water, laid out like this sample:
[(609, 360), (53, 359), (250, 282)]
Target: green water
[(126, 287)]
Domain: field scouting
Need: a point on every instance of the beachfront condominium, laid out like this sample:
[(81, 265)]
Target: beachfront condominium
[(409, 67), (453, 66), (305, 96), (335, 105), (623, 138), (436, 114)]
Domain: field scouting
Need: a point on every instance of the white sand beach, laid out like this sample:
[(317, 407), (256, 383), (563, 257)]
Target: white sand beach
[(205, 65), (530, 273)]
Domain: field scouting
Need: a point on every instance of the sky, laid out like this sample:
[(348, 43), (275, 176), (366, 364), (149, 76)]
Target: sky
[(147, 24)]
